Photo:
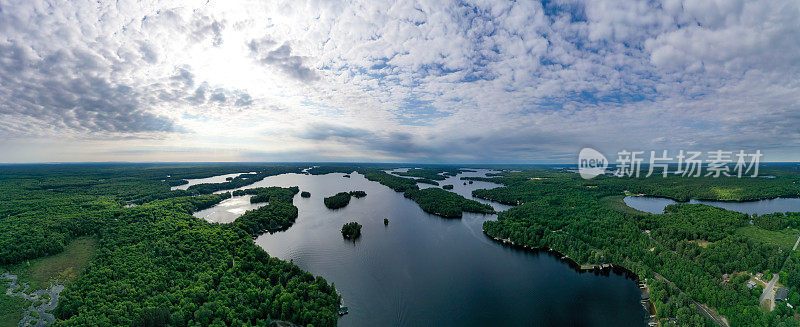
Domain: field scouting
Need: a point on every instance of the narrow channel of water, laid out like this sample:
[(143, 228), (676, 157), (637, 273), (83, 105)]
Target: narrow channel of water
[(212, 179)]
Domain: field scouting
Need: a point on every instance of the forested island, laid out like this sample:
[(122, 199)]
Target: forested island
[(438, 173), (432, 200), (446, 204), (341, 199), (351, 230), (338, 200), (272, 194)]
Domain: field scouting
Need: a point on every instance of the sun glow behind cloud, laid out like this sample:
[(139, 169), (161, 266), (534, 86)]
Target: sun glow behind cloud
[(407, 81)]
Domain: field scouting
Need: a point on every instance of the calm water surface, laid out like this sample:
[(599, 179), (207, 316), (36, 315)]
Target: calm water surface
[(212, 179), (656, 205), (228, 210), (423, 270)]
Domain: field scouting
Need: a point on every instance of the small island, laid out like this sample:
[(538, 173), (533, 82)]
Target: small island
[(351, 230), (305, 194), (338, 200), (341, 199), (386, 221), (358, 194), (448, 187)]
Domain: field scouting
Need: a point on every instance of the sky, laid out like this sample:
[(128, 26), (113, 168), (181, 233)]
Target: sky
[(407, 81)]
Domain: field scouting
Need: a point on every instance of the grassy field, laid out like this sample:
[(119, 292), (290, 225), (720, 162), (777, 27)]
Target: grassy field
[(10, 307), (64, 266), (785, 238), (617, 203)]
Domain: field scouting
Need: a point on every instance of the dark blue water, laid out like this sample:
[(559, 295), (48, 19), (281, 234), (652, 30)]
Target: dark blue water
[(423, 270), (656, 205)]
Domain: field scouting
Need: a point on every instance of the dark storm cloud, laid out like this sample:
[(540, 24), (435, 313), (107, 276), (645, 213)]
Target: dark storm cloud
[(64, 91)]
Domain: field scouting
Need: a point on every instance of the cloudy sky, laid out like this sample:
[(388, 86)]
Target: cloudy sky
[(406, 81)]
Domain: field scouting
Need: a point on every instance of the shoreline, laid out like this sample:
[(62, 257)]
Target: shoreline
[(604, 269)]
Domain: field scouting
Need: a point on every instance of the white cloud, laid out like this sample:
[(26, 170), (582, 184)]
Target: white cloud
[(422, 80)]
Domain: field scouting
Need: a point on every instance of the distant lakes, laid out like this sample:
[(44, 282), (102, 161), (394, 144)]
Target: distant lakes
[(656, 205)]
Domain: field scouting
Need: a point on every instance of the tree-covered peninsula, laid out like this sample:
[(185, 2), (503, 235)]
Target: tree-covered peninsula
[(155, 264)]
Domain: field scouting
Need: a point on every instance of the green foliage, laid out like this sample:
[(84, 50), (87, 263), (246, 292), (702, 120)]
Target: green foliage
[(573, 216), (44, 207), (322, 170), (358, 194), (778, 220), (447, 187), (399, 184), (63, 267), (11, 307), (271, 218), (708, 188), (155, 263), (386, 221), (427, 181), (177, 182), (159, 265), (341, 199), (438, 173), (305, 194), (783, 239), (338, 200), (241, 180), (351, 230), (269, 194), (446, 204)]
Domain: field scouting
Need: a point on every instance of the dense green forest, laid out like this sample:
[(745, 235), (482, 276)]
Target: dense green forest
[(438, 173), (399, 184), (351, 230), (156, 264), (446, 204), (427, 181), (277, 216), (338, 200), (690, 245), (341, 199), (269, 194)]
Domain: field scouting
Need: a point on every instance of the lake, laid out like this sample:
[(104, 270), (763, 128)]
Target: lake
[(424, 270), (656, 205), (212, 179)]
